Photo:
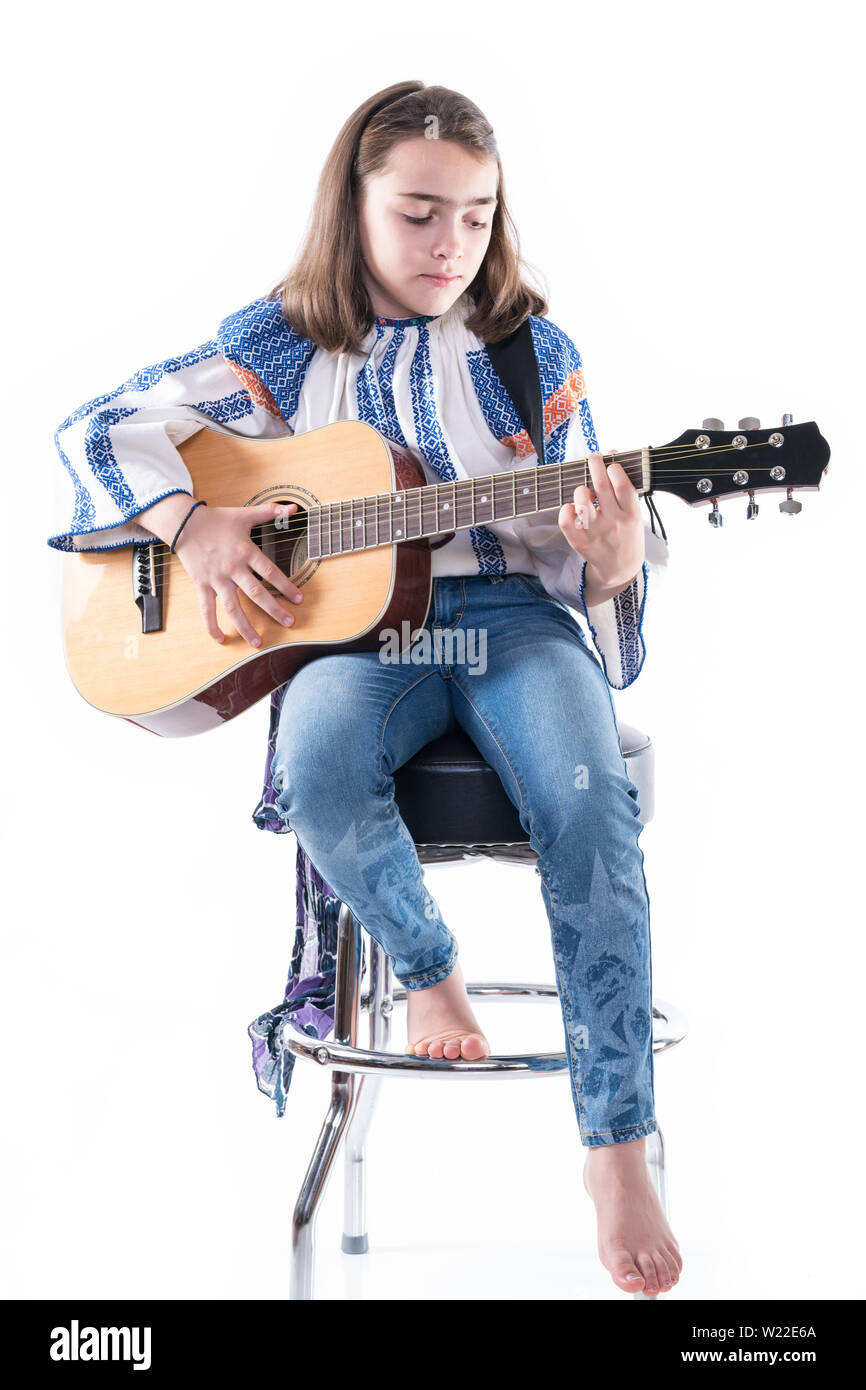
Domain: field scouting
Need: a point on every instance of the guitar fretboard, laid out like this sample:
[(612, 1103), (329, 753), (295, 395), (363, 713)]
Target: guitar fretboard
[(362, 523)]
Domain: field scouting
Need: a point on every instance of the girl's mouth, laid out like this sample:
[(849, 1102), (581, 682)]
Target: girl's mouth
[(441, 279)]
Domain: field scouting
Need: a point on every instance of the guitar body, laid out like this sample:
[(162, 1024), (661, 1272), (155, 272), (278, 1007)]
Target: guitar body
[(177, 680), (359, 546)]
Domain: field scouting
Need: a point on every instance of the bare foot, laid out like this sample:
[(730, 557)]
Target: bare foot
[(635, 1242), (441, 1024)]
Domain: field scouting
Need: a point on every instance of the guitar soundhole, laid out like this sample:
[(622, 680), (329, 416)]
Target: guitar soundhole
[(285, 545)]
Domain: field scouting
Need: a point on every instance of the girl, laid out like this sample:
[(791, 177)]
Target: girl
[(409, 267)]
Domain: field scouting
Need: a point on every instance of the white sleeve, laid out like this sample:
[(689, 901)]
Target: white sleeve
[(617, 625), (120, 450)]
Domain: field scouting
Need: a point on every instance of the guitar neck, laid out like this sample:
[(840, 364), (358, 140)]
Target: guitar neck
[(363, 523)]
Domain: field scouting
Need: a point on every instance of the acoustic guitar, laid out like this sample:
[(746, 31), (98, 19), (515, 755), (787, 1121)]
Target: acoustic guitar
[(359, 545)]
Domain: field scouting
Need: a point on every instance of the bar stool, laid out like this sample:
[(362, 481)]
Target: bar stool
[(455, 807)]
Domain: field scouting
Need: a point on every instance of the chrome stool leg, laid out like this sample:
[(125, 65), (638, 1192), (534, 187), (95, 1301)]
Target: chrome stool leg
[(348, 1113), (655, 1158), (380, 1006), (344, 1098)]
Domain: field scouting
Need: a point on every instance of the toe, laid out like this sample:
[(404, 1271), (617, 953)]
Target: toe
[(646, 1265), (451, 1050), (664, 1270), (626, 1273), (436, 1050), (475, 1048)]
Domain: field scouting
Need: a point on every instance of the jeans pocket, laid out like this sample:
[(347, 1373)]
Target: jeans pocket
[(535, 587)]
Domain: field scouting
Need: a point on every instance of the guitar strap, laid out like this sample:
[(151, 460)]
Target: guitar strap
[(514, 362)]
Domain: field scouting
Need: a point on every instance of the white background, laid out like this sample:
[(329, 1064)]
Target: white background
[(686, 179)]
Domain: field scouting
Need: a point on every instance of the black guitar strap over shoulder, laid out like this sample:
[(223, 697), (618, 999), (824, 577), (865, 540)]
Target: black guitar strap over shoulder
[(514, 362)]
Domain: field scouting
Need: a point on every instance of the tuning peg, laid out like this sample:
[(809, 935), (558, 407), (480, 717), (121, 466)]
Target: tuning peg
[(711, 423), (787, 419), (789, 505), (752, 509), (749, 422), (715, 517)]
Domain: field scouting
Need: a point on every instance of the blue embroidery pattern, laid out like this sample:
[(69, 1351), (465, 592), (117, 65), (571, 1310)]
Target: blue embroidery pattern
[(370, 398), (632, 648), (497, 406), (103, 464), (391, 428), (488, 550), (557, 359), (405, 323), (259, 337), (629, 629), (555, 446), (557, 356), (588, 428), (100, 455)]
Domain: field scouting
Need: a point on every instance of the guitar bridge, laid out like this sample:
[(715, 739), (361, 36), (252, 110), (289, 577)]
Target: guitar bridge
[(147, 586)]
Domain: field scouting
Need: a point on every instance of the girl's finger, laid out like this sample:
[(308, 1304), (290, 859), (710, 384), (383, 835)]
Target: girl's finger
[(207, 604), (624, 491), (265, 511), (586, 504), (600, 481)]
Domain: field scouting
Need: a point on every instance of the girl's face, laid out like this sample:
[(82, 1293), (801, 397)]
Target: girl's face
[(425, 223)]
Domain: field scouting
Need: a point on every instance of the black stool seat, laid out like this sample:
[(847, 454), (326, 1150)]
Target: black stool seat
[(455, 805)]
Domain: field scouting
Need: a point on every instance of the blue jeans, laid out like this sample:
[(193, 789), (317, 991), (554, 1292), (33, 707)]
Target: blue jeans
[(511, 666)]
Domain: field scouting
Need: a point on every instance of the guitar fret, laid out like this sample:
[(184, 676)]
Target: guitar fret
[(361, 523), (449, 507)]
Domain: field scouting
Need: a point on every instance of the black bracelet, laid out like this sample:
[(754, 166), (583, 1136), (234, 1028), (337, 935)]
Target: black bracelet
[(183, 523)]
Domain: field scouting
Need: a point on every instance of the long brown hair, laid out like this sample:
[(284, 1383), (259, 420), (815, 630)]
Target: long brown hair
[(324, 297)]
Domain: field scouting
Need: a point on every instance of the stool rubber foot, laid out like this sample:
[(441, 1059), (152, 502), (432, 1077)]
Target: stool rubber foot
[(354, 1245)]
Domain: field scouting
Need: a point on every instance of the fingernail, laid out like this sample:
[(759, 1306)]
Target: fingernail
[(296, 598)]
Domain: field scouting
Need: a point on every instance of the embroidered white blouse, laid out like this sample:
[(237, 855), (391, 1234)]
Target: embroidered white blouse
[(426, 382)]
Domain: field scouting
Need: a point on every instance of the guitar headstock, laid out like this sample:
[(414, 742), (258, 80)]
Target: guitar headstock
[(708, 465)]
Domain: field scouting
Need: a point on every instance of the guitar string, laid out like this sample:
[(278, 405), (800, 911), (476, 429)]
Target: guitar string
[(288, 539), (298, 527)]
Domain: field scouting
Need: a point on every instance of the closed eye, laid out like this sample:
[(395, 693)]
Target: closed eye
[(419, 221)]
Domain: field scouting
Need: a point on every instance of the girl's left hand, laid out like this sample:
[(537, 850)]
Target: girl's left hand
[(610, 537)]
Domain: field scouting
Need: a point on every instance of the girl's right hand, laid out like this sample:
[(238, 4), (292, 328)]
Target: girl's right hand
[(220, 556)]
